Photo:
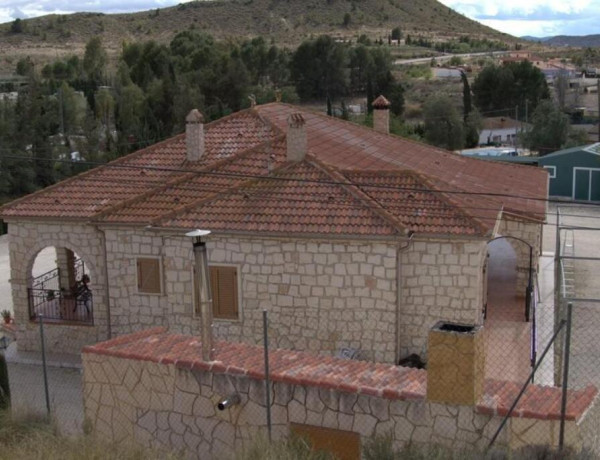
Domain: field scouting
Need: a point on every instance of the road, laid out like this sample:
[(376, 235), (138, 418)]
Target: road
[(447, 57)]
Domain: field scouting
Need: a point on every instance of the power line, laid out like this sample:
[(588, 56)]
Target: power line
[(123, 165)]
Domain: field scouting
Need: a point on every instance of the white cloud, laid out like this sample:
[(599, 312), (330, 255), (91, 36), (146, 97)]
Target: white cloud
[(11, 9), (532, 17)]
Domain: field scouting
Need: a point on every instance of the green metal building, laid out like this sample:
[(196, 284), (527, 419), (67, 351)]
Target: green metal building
[(574, 173)]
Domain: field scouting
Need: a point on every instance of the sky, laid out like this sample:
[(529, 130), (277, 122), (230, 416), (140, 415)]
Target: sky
[(537, 18)]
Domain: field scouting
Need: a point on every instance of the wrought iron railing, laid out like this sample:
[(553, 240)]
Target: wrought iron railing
[(61, 305), (51, 279)]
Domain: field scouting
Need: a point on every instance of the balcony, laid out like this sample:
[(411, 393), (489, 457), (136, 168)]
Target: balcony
[(60, 305)]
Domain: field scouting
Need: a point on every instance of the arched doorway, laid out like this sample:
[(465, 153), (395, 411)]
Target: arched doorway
[(508, 332), (59, 287)]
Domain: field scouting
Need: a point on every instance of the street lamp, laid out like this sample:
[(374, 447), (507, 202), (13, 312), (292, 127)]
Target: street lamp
[(202, 285)]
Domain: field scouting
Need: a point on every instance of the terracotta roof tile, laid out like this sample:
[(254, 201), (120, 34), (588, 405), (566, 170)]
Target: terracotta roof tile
[(297, 367), (375, 184), (521, 189), (298, 199)]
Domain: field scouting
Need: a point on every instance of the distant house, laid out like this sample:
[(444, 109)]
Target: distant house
[(348, 236), (500, 131), (574, 173)]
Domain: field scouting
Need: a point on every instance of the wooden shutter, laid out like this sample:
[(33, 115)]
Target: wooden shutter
[(343, 445), (148, 275), (224, 287)]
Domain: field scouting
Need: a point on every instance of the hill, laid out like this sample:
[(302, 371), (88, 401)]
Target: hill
[(580, 41), (287, 22)]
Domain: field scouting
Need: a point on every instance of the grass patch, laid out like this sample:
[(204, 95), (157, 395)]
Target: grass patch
[(28, 436)]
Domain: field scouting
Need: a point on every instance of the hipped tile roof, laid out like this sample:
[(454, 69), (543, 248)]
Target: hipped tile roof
[(349, 376), (353, 181)]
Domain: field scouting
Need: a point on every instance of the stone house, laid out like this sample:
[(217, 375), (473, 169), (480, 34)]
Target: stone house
[(350, 237)]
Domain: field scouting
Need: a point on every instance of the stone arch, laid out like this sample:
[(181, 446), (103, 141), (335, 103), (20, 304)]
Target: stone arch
[(501, 278), (35, 249)]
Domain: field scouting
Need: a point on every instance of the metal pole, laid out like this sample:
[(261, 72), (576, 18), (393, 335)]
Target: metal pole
[(41, 319), (565, 380), (529, 285), (518, 398), (267, 383)]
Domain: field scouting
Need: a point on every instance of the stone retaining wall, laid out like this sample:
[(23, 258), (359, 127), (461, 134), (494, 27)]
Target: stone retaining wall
[(159, 405), (174, 406)]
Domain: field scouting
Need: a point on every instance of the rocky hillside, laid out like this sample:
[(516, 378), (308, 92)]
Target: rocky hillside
[(286, 21)]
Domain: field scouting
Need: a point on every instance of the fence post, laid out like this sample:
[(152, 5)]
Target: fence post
[(41, 320), (267, 382), (565, 379)]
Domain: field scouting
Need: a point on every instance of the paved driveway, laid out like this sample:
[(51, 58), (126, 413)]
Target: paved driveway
[(64, 385)]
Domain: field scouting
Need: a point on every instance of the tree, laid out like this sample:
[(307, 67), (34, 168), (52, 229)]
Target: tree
[(550, 129), (508, 86), (396, 33), (17, 26), (467, 103), (347, 19), (473, 126), (94, 60), (319, 68), (443, 124)]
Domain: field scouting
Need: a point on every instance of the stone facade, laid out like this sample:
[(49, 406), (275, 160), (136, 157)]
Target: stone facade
[(321, 295), (165, 406), (440, 280), (26, 240), (380, 297)]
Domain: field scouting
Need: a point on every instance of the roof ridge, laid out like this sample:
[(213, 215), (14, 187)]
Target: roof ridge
[(449, 200), (393, 136), (245, 183), (432, 188), (135, 155), (180, 179), (361, 196), (84, 173)]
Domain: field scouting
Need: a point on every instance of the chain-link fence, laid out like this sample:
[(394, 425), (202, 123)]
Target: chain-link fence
[(52, 389), (564, 321)]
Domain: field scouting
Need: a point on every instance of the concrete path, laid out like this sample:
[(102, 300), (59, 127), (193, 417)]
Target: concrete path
[(508, 336)]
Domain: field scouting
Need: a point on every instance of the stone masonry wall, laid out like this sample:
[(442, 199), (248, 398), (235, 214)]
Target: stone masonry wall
[(321, 295), (130, 309), (441, 280), (161, 406), (26, 240), (530, 232)]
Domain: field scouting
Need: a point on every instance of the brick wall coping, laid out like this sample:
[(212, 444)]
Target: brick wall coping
[(539, 402), (359, 377)]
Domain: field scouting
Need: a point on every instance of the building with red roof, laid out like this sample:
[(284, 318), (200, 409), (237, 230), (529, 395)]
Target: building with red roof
[(350, 237)]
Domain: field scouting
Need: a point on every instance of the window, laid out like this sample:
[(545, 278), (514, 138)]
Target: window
[(224, 290), (148, 275), (551, 171)]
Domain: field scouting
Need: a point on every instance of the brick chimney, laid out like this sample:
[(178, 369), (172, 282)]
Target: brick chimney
[(194, 135), (296, 137), (381, 115)]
